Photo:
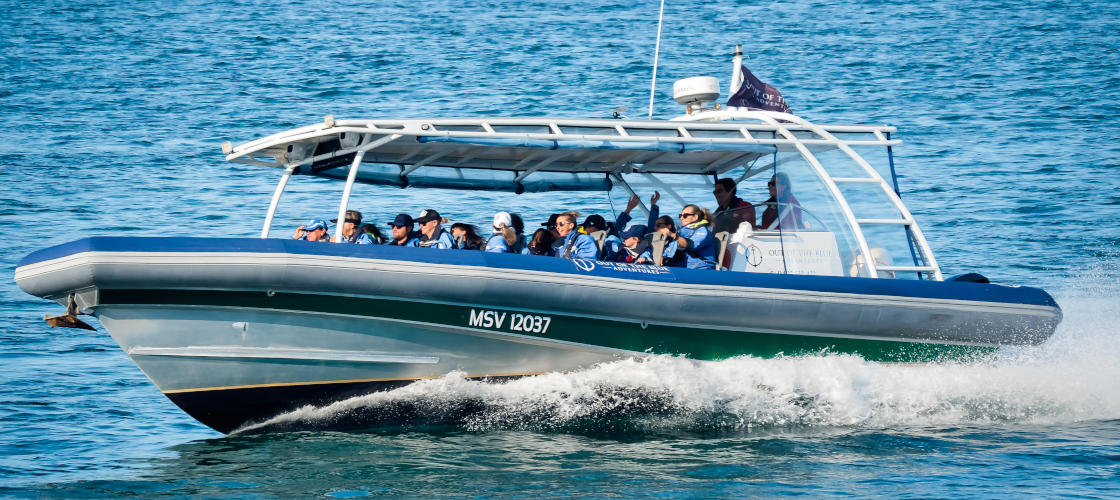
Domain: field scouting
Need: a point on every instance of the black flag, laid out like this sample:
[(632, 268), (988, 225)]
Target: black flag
[(753, 93)]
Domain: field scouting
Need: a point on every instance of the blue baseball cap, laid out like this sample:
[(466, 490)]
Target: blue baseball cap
[(402, 220), (314, 224), (635, 231)]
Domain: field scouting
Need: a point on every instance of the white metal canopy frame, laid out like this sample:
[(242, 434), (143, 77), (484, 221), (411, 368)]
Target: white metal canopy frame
[(563, 154)]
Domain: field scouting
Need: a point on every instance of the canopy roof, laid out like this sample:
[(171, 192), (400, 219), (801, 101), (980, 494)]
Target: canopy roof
[(537, 154)]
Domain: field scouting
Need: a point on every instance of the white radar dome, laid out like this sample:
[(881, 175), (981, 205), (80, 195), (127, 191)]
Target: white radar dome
[(696, 90)]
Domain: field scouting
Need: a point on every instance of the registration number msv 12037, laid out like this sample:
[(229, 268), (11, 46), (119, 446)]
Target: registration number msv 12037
[(531, 323)]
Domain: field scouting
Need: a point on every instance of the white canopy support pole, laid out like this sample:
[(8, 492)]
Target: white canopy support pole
[(346, 195), (845, 209), (358, 155), (907, 218), (626, 186), (657, 182), (276, 200)]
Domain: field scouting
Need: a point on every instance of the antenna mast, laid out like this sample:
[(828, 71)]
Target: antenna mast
[(656, 52)]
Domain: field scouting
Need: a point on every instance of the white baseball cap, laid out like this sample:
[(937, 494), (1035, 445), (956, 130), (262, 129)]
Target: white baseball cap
[(502, 219)]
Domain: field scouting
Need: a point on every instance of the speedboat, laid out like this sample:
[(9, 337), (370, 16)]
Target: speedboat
[(236, 330)]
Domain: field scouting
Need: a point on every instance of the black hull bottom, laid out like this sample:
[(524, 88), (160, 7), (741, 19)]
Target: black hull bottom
[(226, 410)]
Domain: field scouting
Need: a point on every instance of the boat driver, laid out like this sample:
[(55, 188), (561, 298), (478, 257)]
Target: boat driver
[(432, 234), (313, 230), (403, 235), (572, 244), (350, 232), (731, 210)]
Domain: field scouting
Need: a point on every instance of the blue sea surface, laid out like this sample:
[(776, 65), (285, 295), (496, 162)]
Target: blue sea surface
[(112, 118)]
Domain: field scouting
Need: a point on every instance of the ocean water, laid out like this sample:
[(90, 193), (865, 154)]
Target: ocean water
[(113, 114)]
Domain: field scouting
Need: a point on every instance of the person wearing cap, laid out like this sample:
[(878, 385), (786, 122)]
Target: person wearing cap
[(504, 237), (635, 248), (403, 236), (432, 234), (313, 230), (350, 232), (611, 243), (572, 244), (551, 223)]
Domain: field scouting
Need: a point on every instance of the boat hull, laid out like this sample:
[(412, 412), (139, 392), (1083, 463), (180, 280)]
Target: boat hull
[(238, 330)]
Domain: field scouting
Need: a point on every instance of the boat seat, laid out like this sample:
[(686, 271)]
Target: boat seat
[(721, 249), (657, 244), (599, 237), (879, 256)]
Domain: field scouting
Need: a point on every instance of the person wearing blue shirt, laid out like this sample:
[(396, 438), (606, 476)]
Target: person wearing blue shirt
[(313, 230), (403, 236), (612, 245), (432, 234), (635, 248), (504, 236), (695, 238), (572, 244)]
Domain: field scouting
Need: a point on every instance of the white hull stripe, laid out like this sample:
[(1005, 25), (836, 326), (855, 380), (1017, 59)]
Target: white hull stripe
[(280, 353)]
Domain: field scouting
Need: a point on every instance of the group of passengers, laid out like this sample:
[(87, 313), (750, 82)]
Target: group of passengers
[(691, 244)]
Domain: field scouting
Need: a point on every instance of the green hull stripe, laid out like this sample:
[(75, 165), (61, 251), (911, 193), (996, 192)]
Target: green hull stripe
[(695, 343)]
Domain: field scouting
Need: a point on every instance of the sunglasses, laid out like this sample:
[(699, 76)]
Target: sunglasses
[(771, 183), (718, 191), (686, 214)]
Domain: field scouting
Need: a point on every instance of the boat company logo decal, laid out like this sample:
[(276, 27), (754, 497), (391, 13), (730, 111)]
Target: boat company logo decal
[(587, 265), (584, 264), (528, 323), (754, 255)]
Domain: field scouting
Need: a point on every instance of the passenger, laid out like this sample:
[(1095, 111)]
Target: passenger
[(780, 192), (635, 248), (403, 235), (731, 211), (694, 238), (505, 236), (572, 244), (432, 234), (671, 256), (541, 243), (466, 237), (350, 232), (374, 233), (612, 245), (551, 224), (314, 230), (518, 226)]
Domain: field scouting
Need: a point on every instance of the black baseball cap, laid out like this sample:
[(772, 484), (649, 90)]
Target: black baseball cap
[(428, 215), (551, 221), (402, 220)]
